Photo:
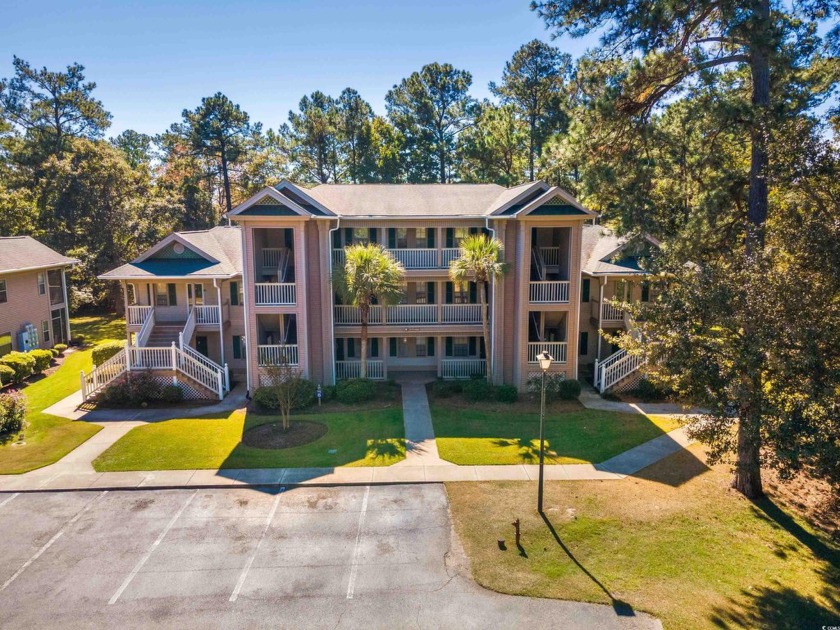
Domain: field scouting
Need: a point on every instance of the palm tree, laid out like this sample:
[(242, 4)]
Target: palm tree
[(369, 273), (480, 261)]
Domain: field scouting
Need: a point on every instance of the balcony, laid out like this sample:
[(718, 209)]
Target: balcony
[(610, 313), (136, 315), (556, 349), (353, 369), (274, 294), (276, 355), (412, 314), (462, 368), (549, 292), (207, 315), (413, 258)]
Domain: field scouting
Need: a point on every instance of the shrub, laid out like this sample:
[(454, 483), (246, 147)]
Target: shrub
[(54, 353), (476, 390), (265, 399), (43, 358), (568, 389), (507, 393), (355, 390), (12, 413), (77, 341), (133, 390), (60, 348), (648, 391), (21, 362), (7, 375), (105, 351), (171, 394), (445, 389)]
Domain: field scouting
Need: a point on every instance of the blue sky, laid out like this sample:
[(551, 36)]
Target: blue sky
[(152, 59)]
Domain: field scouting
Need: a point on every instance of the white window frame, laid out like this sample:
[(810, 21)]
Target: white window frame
[(42, 283)]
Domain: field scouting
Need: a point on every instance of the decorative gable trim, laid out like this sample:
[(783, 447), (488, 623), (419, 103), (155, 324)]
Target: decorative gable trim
[(285, 184), (171, 239), (556, 196), (526, 191), (262, 199)]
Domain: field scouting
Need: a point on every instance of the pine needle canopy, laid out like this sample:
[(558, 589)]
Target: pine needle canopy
[(480, 259), (369, 271)]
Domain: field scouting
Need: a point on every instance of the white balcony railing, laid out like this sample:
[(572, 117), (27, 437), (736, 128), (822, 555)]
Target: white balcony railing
[(353, 369), (461, 314), (412, 314), (416, 258), (337, 257), (448, 254), (549, 292), (462, 368), (137, 314), (205, 315), (352, 315), (271, 257), (274, 293), (556, 349), (611, 313), (277, 355)]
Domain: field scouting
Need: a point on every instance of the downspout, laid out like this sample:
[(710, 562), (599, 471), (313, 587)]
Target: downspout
[(493, 319), (332, 293), (221, 324)]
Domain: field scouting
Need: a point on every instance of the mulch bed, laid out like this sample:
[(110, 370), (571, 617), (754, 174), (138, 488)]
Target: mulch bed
[(272, 436)]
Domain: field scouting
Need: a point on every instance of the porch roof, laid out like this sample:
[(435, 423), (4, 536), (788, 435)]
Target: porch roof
[(602, 253)]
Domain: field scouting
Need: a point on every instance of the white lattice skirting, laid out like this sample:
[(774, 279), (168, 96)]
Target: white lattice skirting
[(190, 391)]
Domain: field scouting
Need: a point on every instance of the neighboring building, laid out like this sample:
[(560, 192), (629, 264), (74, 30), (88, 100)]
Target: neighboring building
[(34, 309), (247, 296)]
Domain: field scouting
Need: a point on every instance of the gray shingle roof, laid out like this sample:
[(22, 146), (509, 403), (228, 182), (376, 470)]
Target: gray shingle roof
[(599, 253), (19, 253), (412, 200), (222, 244)]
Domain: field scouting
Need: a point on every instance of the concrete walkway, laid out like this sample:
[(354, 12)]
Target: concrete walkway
[(420, 446), (591, 399)]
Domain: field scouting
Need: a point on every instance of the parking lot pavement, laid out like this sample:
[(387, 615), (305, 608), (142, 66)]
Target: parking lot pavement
[(308, 557)]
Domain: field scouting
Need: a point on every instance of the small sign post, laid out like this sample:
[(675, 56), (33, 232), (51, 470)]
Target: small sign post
[(319, 394)]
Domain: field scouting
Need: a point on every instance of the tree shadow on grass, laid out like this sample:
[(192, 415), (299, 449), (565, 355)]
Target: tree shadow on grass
[(384, 447), (621, 608), (672, 470), (528, 451)]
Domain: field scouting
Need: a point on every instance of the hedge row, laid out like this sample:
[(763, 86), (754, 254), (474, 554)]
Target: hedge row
[(15, 367)]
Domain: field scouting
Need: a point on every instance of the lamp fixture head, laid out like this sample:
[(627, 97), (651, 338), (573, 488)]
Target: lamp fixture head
[(545, 360)]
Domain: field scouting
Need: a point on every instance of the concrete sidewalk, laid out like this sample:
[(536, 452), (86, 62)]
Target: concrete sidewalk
[(420, 446)]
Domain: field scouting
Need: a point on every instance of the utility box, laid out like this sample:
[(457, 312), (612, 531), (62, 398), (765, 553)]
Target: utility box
[(28, 338)]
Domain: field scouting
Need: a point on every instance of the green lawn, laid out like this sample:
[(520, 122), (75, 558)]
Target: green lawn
[(361, 438), (673, 540), (504, 435), (49, 438)]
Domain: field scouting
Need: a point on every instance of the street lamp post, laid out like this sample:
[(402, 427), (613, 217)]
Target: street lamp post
[(545, 360)]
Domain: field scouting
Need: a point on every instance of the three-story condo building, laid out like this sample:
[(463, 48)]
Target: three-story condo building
[(240, 299)]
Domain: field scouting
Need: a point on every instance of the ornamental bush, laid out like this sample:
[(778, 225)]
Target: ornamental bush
[(507, 394), (60, 348), (171, 394), (43, 358), (568, 389), (646, 391), (105, 351), (477, 390), (134, 389), (446, 389), (557, 387), (355, 390), (302, 394), (54, 353), (12, 413), (21, 362), (7, 375)]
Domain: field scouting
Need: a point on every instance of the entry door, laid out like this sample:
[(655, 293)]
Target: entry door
[(201, 345)]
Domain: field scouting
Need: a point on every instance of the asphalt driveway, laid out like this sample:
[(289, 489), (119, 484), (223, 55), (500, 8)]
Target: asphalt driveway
[(313, 557)]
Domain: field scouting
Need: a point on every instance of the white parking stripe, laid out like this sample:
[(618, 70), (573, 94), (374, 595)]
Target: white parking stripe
[(7, 499), (50, 542), (357, 549), (248, 564), (148, 554)]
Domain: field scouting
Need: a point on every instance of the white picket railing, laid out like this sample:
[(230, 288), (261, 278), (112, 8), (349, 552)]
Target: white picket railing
[(448, 254), (136, 315), (142, 337), (152, 358), (461, 313), (550, 256), (462, 368), (212, 379), (338, 257), (274, 293), (268, 355), (102, 375), (411, 314), (416, 258), (353, 369), (271, 257), (345, 314), (207, 362), (210, 314), (616, 367), (611, 313), (549, 291), (556, 349)]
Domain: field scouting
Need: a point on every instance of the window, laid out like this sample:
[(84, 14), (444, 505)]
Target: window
[(195, 294), (5, 343), (424, 293), (585, 286), (3, 296), (42, 283), (238, 347), (55, 280), (461, 346), (45, 331), (464, 293), (645, 292), (402, 238), (361, 235), (424, 237), (236, 297), (583, 346), (58, 318), (420, 347), (166, 294), (130, 294), (460, 234)]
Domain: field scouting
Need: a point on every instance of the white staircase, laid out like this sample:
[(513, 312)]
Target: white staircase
[(619, 370)]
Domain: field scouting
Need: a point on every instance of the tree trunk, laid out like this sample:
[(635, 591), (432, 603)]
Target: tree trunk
[(364, 315), (226, 179), (485, 328), (747, 479), (442, 164), (533, 123)]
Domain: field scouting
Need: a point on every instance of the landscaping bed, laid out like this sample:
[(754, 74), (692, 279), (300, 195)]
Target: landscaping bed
[(673, 540), (272, 435)]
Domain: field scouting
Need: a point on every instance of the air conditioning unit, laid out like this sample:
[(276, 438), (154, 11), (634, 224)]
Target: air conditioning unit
[(28, 338)]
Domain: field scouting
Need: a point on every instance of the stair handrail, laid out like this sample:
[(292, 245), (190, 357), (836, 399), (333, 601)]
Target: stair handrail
[(103, 374), (198, 371), (283, 265), (185, 336), (142, 337), (536, 257), (209, 363), (601, 366), (612, 374)]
